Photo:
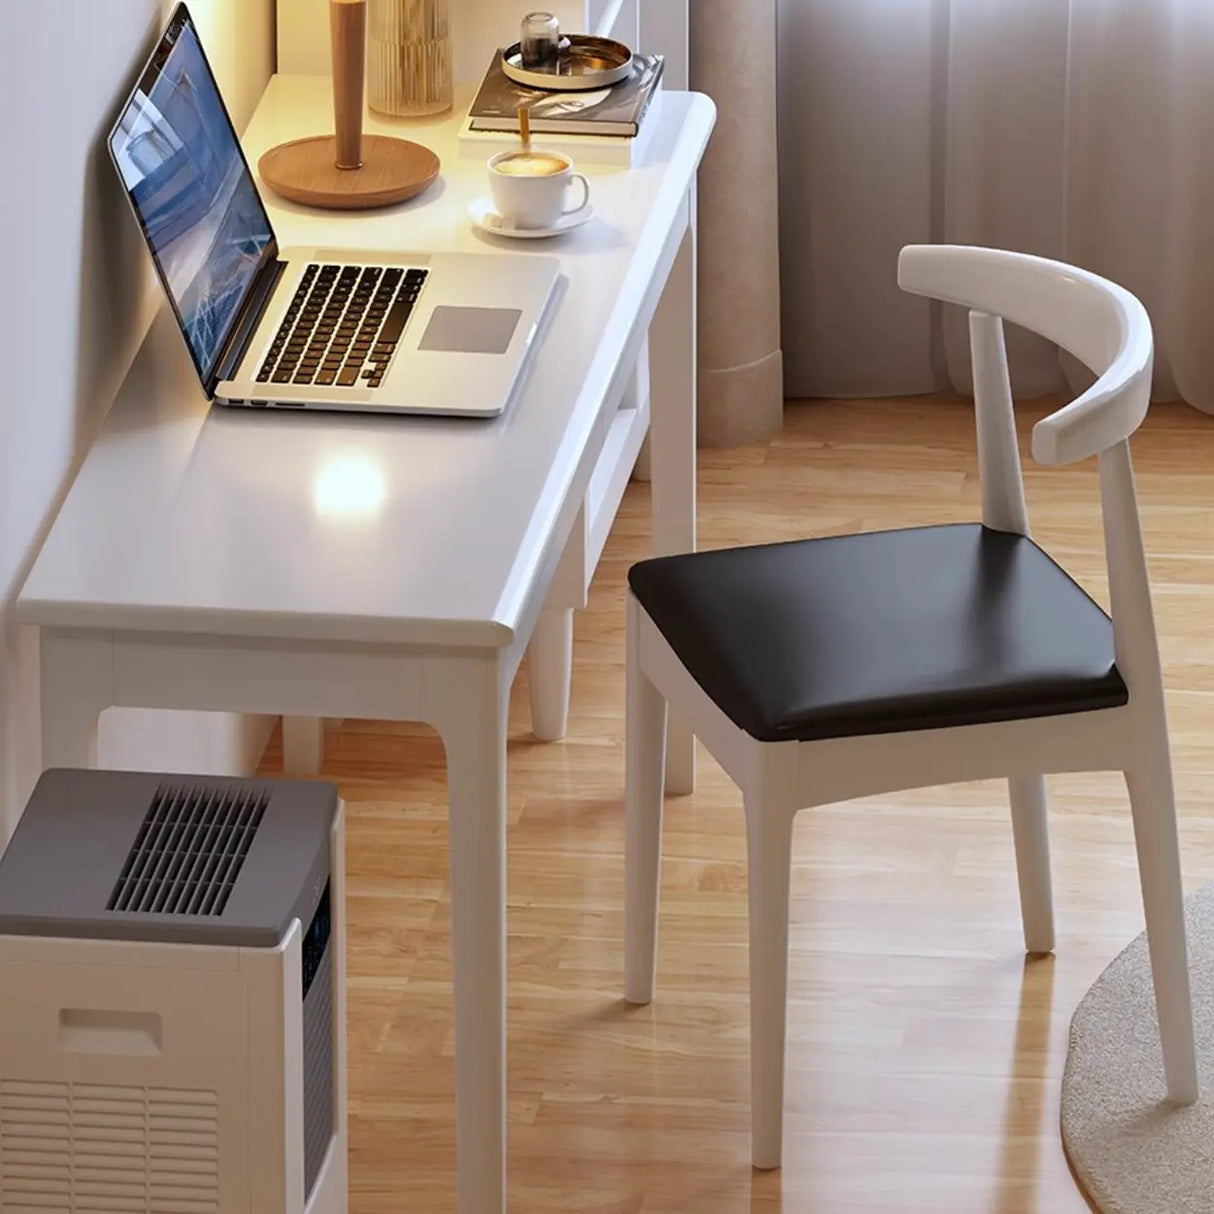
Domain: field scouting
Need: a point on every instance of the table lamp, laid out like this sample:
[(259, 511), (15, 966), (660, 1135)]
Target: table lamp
[(348, 170)]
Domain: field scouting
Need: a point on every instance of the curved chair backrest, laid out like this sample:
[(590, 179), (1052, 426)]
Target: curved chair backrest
[(1108, 330), (1100, 323)]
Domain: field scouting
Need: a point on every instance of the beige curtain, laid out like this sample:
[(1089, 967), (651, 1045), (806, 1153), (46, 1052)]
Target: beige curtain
[(1079, 129), (741, 393)]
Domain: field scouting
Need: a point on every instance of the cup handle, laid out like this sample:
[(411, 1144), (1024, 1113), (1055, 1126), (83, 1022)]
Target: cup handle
[(585, 195)]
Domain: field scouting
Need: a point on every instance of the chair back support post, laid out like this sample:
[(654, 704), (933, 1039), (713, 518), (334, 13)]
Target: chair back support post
[(999, 471), (1137, 645)]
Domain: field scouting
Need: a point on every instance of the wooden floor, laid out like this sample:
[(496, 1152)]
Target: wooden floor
[(924, 1054)]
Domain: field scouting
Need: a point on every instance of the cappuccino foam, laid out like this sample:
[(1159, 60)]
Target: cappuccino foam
[(531, 164)]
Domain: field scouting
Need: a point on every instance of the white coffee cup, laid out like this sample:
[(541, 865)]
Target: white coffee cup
[(530, 189)]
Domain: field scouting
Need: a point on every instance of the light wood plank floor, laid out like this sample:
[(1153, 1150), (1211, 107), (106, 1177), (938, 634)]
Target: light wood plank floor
[(924, 1054)]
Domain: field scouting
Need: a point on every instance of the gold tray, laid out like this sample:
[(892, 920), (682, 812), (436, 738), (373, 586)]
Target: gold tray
[(584, 63)]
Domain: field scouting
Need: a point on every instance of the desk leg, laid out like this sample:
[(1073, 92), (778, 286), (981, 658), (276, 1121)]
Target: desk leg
[(550, 669), (303, 745), (672, 395), (472, 721), (77, 686)]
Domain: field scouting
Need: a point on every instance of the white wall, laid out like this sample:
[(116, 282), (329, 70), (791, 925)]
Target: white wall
[(479, 27), (76, 296)]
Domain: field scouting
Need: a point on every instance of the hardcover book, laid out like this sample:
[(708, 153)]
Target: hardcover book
[(617, 110)]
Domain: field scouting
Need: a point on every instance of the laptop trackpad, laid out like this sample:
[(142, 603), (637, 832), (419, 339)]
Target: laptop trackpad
[(470, 330)]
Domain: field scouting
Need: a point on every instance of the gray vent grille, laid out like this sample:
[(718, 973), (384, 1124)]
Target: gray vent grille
[(318, 1071), (93, 1149), (189, 850)]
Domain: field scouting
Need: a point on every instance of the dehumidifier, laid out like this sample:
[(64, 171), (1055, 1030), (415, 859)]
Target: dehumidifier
[(172, 998)]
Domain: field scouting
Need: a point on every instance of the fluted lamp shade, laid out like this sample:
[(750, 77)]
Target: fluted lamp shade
[(409, 57)]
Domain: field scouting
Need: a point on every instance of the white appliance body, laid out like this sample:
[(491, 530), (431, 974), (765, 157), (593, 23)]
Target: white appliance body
[(152, 1078)]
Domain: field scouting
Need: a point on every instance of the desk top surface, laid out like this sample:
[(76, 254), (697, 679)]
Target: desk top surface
[(186, 518)]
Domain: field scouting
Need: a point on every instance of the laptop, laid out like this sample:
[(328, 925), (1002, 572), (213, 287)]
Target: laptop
[(308, 328)]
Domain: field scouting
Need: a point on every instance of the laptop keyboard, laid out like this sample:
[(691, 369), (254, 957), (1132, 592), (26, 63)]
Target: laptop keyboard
[(343, 326)]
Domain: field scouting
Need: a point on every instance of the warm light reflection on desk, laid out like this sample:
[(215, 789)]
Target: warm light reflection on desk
[(349, 486)]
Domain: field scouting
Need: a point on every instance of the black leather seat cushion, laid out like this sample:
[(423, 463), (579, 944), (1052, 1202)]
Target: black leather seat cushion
[(883, 632)]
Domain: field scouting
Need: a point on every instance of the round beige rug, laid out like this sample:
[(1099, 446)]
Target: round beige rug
[(1132, 1151)]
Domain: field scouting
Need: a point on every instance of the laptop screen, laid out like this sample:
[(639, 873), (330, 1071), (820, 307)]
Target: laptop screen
[(182, 165)]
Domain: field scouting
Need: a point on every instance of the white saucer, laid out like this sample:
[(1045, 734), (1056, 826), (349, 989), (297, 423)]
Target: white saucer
[(488, 220)]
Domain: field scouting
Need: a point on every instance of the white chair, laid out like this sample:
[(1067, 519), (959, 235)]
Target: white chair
[(822, 670)]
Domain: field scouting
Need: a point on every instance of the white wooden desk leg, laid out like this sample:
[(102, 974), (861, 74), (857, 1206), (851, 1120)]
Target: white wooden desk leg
[(303, 745), (69, 734), (672, 395), (472, 721), (550, 668), (77, 686)]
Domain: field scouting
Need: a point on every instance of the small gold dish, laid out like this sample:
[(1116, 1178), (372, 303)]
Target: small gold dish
[(584, 63)]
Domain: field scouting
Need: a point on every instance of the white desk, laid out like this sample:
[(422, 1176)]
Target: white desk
[(388, 568)]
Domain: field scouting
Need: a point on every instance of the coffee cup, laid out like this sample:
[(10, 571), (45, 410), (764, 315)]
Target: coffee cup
[(530, 188)]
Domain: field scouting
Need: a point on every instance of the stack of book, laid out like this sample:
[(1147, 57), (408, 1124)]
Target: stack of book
[(602, 126)]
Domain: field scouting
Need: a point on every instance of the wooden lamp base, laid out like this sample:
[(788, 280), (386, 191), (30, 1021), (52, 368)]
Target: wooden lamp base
[(347, 171), (305, 171)]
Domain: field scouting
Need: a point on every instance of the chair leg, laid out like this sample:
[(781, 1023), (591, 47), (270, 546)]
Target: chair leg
[(1030, 831), (645, 774), (1152, 801), (769, 856)]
